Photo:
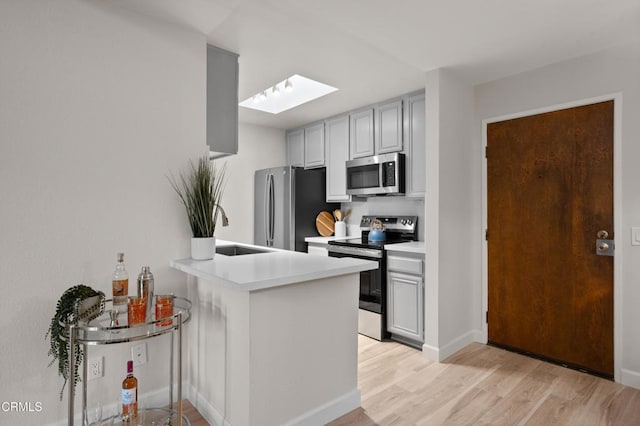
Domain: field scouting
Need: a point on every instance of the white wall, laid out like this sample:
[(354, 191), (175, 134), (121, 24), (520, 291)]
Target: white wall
[(452, 233), (95, 109), (608, 72), (258, 148)]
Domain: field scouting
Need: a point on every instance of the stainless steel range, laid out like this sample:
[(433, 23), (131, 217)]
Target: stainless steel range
[(372, 320)]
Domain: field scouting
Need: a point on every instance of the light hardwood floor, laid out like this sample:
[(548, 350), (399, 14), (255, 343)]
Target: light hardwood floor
[(193, 415), (480, 385)]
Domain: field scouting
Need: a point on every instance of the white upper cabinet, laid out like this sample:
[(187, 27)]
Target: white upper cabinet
[(295, 147), (314, 146), (396, 125), (362, 131), (388, 121), (336, 133), (415, 145)]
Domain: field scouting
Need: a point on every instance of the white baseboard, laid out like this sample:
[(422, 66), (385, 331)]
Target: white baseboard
[(432, 353), (630, 378), (208, 411), (439, 354), (329, 411), (319, 416)]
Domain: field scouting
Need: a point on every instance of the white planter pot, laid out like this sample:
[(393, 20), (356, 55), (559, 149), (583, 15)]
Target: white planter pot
[(203, 248)]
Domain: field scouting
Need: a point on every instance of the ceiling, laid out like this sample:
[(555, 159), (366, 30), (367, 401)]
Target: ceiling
[(376, 49)]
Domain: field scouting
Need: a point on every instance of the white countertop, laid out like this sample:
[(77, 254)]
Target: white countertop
[(410, 247), (252, 272), (325, 240)]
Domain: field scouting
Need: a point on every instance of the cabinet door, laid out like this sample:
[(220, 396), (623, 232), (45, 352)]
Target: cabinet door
[(295, 148), (222, 101), (361, 141), (314, 146), (415, 146), (336, 134), (405, 306), (388, 120)]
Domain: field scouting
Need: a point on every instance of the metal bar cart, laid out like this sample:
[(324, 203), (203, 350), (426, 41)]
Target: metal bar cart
[(103, 331)]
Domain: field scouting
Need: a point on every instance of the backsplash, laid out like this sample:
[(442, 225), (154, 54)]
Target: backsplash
[(384, 206)]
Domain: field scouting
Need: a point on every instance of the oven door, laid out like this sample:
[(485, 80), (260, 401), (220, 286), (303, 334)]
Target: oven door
[(371, 282)]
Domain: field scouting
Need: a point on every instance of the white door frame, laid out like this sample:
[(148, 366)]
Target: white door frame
[(617, 215)]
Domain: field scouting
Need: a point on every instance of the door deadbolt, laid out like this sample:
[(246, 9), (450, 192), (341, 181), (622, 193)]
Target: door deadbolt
[(603, 235)]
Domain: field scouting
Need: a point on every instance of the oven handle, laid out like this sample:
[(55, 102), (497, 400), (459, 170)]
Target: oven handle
[(356, 251)]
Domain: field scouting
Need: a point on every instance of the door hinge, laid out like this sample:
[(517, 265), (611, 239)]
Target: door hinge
[(486, 152), (486, 234), (486, 317)]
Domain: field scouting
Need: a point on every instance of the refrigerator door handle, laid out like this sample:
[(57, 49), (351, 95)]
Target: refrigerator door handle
[(266, 210), (272, 207)]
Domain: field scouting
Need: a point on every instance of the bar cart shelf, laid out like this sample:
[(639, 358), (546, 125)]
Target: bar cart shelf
[(103, 331)]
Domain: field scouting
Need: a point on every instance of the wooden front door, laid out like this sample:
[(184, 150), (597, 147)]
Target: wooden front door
[(549, 193)]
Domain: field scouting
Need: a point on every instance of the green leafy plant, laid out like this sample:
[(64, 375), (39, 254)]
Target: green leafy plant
[(200, 190), (69, 310)]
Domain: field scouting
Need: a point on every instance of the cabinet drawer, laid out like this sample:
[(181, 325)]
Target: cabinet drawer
[(404, 264)]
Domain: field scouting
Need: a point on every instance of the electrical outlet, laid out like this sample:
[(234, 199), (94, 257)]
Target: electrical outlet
[(139, 354), (95, 368)]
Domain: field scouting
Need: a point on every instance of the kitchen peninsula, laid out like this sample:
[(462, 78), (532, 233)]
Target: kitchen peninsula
[(274, 335)]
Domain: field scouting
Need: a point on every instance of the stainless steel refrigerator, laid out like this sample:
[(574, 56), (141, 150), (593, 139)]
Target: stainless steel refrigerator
[(287, 201)]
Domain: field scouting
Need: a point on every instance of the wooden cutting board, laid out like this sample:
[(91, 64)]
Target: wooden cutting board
[(325, 224)]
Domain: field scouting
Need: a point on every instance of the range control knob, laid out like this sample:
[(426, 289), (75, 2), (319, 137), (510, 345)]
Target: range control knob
[(409, 222)]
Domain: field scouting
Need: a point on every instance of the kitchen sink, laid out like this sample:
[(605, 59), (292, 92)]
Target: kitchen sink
[(238, 250)]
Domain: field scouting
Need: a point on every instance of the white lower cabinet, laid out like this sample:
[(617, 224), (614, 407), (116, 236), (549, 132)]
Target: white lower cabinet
[(405, 297)]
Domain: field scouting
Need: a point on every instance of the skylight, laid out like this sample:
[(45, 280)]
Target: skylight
[(289, 93)]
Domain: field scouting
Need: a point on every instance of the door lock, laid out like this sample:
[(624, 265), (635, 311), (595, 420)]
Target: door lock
[(605, 247)]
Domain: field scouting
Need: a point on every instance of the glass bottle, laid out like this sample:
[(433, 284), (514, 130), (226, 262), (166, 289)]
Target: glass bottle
[(120, 285), (145, 289), (129, 395)]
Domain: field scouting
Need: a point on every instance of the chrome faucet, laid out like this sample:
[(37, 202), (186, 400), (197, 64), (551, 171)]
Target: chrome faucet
[(225, 219)]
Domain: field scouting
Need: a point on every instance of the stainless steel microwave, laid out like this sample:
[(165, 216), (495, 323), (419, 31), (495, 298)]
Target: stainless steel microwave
[(376, 175)]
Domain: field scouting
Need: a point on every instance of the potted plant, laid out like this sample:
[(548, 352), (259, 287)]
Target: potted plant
[(77, 304), (200, 190)]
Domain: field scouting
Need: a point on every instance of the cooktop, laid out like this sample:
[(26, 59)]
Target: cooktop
[(397, 229)]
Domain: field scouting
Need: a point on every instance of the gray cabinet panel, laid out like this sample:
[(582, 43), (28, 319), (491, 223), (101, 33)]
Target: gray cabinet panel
[(336, 132), (415, 145), (388, 122), (362, 134), (295, 148), (314, 146), (222, 102), (405, 297)]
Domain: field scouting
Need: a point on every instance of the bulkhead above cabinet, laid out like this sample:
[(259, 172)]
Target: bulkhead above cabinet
[(222, 102)]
